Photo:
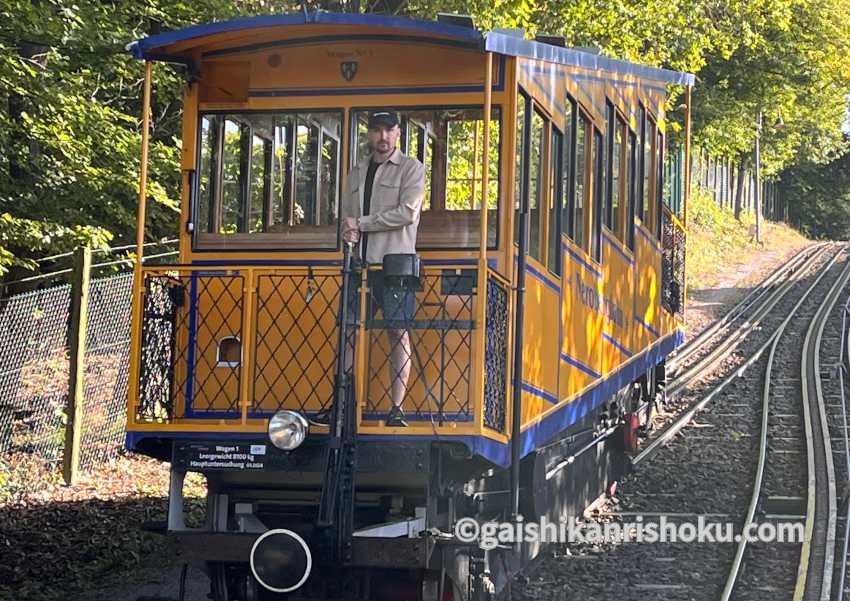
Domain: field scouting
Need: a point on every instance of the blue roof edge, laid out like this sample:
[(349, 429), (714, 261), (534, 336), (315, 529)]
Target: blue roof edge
[(513, 46), (144, 48)]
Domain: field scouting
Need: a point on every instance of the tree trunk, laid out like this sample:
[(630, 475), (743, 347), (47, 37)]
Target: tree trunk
[(739, 191), (20, 162), (730, 182)]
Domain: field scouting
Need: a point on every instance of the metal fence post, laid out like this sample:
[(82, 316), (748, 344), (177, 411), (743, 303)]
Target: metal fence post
[(76, 376)]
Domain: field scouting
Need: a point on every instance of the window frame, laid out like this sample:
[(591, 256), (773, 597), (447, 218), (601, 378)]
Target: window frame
[(496, 108), (587, 177), (631, 183), (264, 240), (599, 169), (652, 209), (616, 122), (641, 133), (542, 187), (568, 194), (521, 170), (660, 151), (556, 200), (607, 201)]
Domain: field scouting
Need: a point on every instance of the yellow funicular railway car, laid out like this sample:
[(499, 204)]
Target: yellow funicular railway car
[(547, 291)]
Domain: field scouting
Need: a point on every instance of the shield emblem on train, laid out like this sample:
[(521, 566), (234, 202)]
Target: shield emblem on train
[(348, 69)]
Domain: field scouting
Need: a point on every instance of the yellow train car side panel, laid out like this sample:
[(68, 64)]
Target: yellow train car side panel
[(648, 287), (540, 342), (616, 299), (581, 316), (379, 64)]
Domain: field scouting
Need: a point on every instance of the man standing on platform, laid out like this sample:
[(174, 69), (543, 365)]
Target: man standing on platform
[(381, 210)]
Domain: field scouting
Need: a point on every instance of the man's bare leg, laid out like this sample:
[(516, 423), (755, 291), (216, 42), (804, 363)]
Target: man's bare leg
[(399, 364)]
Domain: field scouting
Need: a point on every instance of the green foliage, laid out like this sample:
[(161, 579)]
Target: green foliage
[(70, 94), (708, 220), (465, 152), (716, 238), (794, 73), (785, 58), (70, 126), (17, 234), (819, 198)]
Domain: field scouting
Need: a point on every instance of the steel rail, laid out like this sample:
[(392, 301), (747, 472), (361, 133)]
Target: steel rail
[(844, 361), (693, 345), (813, 399), (718, 353), (683, 420), (737, 562)]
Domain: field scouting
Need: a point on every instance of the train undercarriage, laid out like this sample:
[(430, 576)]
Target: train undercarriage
[(263, 536)]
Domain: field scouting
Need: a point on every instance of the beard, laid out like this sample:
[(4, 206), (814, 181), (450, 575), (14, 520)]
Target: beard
[(380, 147)]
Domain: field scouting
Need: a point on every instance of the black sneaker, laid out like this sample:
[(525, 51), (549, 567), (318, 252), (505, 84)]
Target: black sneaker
[(395, 418)]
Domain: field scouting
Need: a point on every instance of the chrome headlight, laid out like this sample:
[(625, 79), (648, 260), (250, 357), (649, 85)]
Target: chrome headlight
[(287, 429)]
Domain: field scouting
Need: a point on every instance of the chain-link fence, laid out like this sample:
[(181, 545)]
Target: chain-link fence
[(34, 369)]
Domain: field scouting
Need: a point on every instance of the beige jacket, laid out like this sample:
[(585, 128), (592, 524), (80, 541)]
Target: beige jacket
[(397, 195)]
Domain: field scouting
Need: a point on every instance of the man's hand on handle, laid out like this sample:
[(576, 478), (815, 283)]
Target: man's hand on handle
[(350, 230)]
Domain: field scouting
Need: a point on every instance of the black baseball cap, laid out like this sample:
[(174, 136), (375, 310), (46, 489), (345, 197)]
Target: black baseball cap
[(382, 118)]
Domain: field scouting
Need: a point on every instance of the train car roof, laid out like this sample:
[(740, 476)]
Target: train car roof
[(181, 44)]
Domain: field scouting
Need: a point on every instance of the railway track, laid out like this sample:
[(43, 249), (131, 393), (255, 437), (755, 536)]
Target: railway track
[(743, 322), (763, 455), (841, 453), (775, 567), (694, 352), (755, 315)]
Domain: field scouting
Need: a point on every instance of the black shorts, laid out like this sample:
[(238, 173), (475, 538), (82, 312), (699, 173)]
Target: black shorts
[(394, 303)]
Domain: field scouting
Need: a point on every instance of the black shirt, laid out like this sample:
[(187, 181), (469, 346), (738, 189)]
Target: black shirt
[(367, 201)]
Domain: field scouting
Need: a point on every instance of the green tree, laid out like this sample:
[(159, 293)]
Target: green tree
[(70, 127), (70, 100), (818, 197)]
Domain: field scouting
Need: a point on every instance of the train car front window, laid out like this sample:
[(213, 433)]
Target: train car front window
[(450, 143), (269, 180)]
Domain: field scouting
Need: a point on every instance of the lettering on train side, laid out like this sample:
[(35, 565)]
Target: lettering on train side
[(590, 298), (355, 53), (614, 313), (587, 294)]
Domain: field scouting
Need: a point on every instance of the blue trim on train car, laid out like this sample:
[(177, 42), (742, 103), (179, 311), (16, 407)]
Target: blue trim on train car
[(580, 260), (617, 344), (428, 416), (569, 413), (578, 364), (358, 37), (539, 392), (550, 283), (289, 262), (145, 48), (652, 330), (649, 238), (614, 243), (362, 91), (323, 262), (560, 418)]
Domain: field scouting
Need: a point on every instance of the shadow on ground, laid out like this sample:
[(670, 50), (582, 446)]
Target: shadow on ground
[(66, 549)]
